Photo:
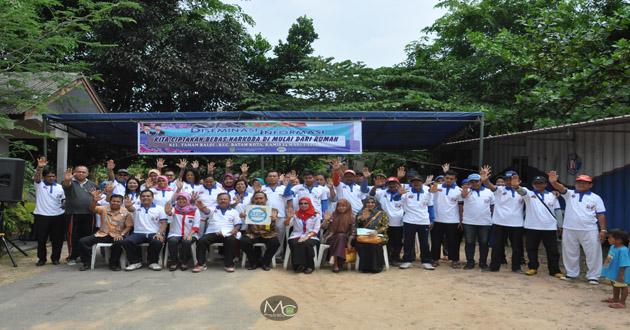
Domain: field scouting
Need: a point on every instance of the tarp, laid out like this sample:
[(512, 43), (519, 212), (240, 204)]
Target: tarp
[(382, 131)]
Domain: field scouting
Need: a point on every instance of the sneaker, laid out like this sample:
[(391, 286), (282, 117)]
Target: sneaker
[(428, 266), (558, 275), (155, 267), (593, 282), (405, 265), (229, 269), (199, 268), (72, 262), (133, 267), (567, 278), (308, 270), (531, 272)]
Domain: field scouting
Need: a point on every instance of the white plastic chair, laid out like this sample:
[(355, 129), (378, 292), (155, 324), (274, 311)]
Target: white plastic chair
[(322, 248), (385, 255), (108, 250), (193, 248), (263, 247), (211, 252), (144, 248)]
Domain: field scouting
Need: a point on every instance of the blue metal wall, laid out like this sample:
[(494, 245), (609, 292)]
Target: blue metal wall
[(614, 188)]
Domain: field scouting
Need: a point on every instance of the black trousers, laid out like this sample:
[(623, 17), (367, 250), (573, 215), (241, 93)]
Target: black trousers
[(179, 250), (410, 231), (253, 255), (442, 232), (302, 253), (86, 244), (395, 243), (500, 234), (52, 227), (79, 225), (549, 239), (131, 242), (480, 234), (229, 245)]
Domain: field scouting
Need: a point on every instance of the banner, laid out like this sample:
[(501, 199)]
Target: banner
[(249, 137), (258, 215)]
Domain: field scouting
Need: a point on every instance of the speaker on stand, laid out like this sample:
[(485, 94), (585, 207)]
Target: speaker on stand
[(11, 188)]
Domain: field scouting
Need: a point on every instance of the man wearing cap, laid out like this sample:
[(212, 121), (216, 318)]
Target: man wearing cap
[(120, 180), (477, 220), (391, 202), (346, 188), (507, 220), (584, 225), (417, 204), (448, 217), (543, 217)]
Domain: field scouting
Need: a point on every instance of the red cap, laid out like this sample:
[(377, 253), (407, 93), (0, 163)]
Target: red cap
[(391, 178), (584, 177), (350, 171)]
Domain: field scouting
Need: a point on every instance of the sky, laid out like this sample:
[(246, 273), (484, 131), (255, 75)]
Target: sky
[(373, 32)]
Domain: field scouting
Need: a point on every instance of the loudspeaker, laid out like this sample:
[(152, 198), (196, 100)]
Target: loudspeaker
[(11, 179)]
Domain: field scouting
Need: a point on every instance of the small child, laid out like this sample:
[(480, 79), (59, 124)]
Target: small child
[(617, 268)]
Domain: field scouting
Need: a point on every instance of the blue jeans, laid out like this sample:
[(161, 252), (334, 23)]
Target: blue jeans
[(131, 242), (473, 234), (409, 232)]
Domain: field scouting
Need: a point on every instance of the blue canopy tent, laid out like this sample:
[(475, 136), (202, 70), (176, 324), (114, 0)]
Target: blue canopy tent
[(382, 131)]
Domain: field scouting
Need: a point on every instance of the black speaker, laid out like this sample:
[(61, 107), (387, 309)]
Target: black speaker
[(11, 179)]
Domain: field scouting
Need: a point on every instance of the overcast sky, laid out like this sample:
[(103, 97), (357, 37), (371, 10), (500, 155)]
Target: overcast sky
[(371, 31)]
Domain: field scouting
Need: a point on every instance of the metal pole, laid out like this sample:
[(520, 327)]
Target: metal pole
[(45, 121), (481, 127), (262, 163)]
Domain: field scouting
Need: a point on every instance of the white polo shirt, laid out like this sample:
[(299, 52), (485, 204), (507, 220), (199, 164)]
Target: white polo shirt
[(147, 220), (119, 188), (209, 195), (242, 205), (391, 205), (416, 206), (135, 198), (276, 199), (223, 221), (182, 224), (537, 217), (161, 197), (316, 194), (477, 207), (581, 210), (508, 207), (190, 188), (353, 194), (49, 199), (446, 203)]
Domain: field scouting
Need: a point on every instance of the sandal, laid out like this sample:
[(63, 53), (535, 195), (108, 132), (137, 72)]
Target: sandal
[(609, 301), (617, 305)]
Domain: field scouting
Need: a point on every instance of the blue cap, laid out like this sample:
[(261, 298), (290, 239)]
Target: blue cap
[(474, 176), (465, 181), (439, 177), (509, 174)]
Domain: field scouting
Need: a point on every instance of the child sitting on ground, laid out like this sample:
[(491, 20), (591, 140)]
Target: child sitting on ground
[(617, 268)]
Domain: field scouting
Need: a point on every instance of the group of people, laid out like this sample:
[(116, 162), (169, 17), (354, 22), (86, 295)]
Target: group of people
[(370, 215)]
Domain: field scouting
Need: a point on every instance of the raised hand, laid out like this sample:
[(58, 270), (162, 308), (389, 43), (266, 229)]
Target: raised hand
[(148, 183), (182, 163), (366, 172), (199, 203), (159, 163), (553, 176), (484, 173), (434, 187), (428, 180), (210, 167), (128, 202), (68, 175), (244, 168), (237, 199), (138, 176), (179, 184), (402, 190), (446, 167), (228, 163), (194, 196), (401, 172), (41, 162), (514, 181), (96, 194), (195, 164), (335, 164), (110, 164)]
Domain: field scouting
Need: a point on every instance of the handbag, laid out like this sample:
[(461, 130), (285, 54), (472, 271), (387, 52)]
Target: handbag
[(351, 255), (370, 239)]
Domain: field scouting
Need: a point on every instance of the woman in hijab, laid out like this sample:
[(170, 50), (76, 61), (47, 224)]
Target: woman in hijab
[(184, 219), (306, 225), (374, 219), (260, 234), (339, 225), (228, 183), (162, 193)]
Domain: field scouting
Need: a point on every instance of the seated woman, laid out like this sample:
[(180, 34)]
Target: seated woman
[(339, 229), (184, 220), (372, 217), (306, 224), (260, 234), (240, 198)]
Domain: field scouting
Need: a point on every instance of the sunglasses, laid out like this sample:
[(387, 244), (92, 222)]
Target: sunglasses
[(304, 204)]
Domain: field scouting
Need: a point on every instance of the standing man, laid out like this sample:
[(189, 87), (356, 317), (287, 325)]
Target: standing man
[(79, 218), (120, 180), (419, 215), (507, 219), (448, 219), (584, 225), (391, 202), (478, 205), (312, 190), (279, 198), (346, 188), (543, 219), (49, 221)]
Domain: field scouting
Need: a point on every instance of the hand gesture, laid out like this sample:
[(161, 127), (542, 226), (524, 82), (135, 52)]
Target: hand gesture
[(210, 167), (465, 189), (194, 196), (148, 183), (182, 163), (401, 172), (514, 181), (195, 164), (68, 175), (244, 168), (168, 208), (365, 214), (159, 163), (237, 199), (402, 190), (128, 202), (434, 187), (553, 176), (138, 176), (199, 204), (41, 162), (96, 194), (228, 163), (484, 173), (329, 183), (180, 184), (366, 172), (110, 164), (428, 180), (109, 188), (446, 167), (335, 164)]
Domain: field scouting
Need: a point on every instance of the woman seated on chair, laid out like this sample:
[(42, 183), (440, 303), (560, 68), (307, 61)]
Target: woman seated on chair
[(260, 234), (370, 247), (306, 225), (339, 230), (184, 220), (240, 198)]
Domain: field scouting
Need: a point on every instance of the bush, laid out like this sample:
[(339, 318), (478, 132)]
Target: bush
[(18, 218)]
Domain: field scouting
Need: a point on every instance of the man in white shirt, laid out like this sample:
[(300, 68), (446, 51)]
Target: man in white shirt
[(279, 198), (584, 225), (507, 220), (477, 220), (346, 188), (49, 213), (448, 217), (149, 226), (311, 189), (417, 204), (120, 180), (222, 227), (391, 202), (543, 218)]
